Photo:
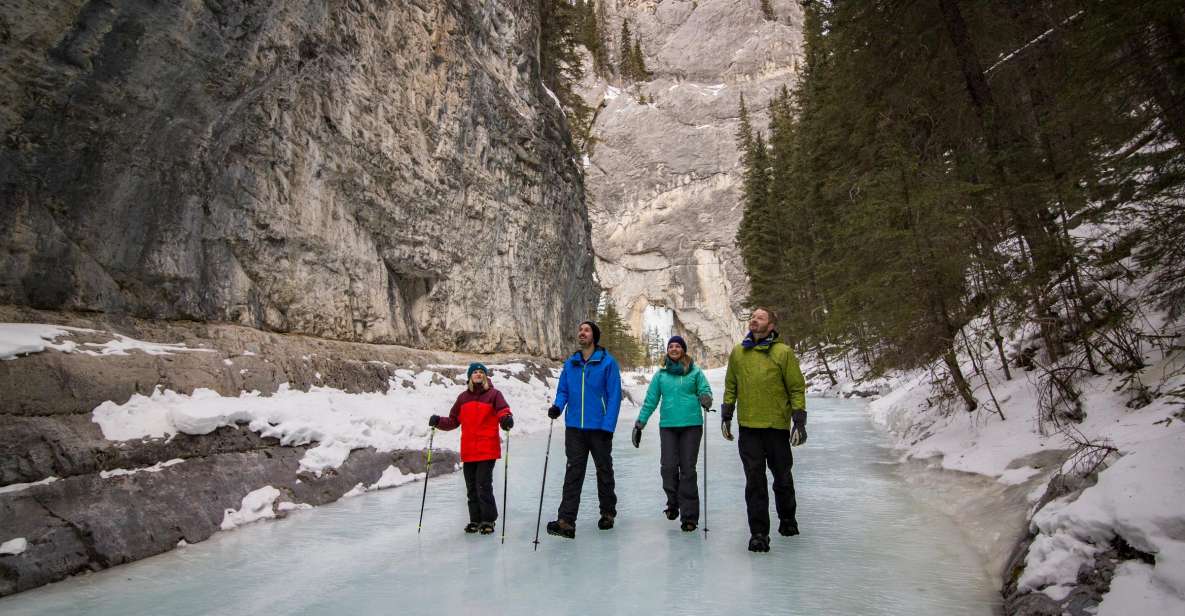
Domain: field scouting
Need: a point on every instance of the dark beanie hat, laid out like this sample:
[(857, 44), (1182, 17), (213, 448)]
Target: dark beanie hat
[(476, 366), (596, 331), (679, 341)]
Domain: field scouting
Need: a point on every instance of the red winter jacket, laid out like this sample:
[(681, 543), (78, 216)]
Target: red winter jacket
[(477, 413)]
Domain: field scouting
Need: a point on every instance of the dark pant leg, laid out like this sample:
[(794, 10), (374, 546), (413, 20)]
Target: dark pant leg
[(752, 449), (781, 460), (470, 471), (485, 490), (576, 449), (668, 465), (688, 440), (601, 444)]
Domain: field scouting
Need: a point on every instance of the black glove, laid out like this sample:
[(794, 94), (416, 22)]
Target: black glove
[(433, 420), (636, 437), (726, 420), (705, 400), (507, 422), (554, 412), (798, 432)]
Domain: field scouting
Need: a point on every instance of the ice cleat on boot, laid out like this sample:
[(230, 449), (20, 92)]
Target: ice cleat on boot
[(486, 528), (759, 543), (687, 527), (671, 512), (606, 522), (471, 527), (561, 528), (788, 528)]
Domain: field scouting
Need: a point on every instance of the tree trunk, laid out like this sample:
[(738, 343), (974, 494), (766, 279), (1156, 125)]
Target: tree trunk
[(826, 366), (961, 385)]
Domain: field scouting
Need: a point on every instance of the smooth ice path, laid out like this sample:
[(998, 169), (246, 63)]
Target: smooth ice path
[(869, 546)]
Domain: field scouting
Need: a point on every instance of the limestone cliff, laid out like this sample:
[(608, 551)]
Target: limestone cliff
[(369, 171), (664, 176)]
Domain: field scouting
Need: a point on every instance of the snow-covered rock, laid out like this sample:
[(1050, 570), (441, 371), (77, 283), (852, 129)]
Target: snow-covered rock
[(13, 547), (257, 505)]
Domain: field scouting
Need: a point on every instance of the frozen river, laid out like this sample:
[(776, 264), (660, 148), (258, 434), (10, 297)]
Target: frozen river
[(869, 546)]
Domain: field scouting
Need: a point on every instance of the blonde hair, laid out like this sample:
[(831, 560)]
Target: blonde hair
[(485, 384)]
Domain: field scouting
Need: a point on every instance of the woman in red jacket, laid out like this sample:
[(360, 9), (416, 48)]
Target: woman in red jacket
[(478, 411)]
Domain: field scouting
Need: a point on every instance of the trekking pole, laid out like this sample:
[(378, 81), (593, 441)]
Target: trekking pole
[(706, 409), (505, 483), (427, 471), (546, 457)]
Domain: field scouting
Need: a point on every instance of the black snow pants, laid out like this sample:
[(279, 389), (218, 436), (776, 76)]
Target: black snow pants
[(578, 444), (680, 450), (759, 448), (479, 489)]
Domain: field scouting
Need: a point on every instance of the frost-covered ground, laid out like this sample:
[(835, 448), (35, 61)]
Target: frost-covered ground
[(1140, 494)]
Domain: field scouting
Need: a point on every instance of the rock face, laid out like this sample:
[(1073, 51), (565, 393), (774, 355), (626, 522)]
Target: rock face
[(379, 172), (663, 177)]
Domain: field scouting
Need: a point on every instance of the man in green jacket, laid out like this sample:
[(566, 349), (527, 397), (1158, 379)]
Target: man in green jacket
[(765, 382)]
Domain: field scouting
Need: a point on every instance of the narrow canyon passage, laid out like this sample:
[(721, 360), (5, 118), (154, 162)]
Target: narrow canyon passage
[(869, 546)]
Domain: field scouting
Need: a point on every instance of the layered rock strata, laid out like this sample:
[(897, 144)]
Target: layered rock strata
[(380, 171), (663, 176)]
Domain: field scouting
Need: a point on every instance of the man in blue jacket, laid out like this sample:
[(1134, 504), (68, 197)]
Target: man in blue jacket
[(590, 394)]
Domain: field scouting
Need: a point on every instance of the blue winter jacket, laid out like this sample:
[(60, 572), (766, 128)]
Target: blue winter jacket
[(590, 392)]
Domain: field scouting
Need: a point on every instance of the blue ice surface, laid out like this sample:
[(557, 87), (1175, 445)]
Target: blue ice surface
[(868, 546)]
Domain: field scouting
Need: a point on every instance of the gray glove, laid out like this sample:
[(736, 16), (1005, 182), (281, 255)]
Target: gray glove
[(636, 436), (798, 432), (705, 400), (726, 420)]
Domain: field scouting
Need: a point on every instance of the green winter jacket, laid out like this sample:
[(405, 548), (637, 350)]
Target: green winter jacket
[(766, 384), (679, 394)]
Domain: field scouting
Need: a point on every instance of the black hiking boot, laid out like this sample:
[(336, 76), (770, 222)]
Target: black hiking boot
[(471, 527), (788, 528), (759, 543), (486, 528), (671, 512), (606, 522), (687, 527), (561, 528)]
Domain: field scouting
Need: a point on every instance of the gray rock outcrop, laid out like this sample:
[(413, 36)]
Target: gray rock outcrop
[(664, 177), (379, 172)]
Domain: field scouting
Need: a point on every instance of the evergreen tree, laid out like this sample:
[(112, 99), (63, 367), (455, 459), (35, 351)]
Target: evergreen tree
[(918, 176), (616, 337), (638, 62), (559, 64), (625, 57)]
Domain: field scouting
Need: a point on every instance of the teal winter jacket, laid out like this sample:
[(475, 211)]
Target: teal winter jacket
[(679, 395)]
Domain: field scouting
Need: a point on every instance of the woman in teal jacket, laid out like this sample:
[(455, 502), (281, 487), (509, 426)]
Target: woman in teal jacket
[(682, 389)]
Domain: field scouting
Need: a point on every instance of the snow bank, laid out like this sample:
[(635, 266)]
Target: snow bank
[(12, 547), (1138, 499), (25, 338), (337, 421), (257, 505)]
